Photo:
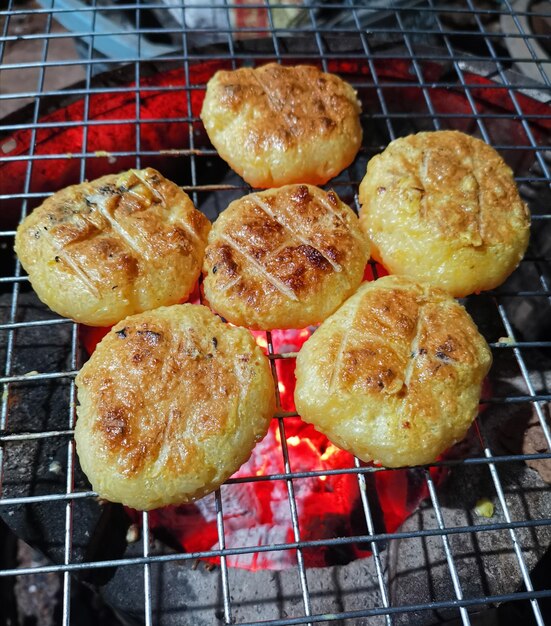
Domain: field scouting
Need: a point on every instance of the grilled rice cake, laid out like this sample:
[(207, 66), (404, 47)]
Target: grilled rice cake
[(283, 258), (395, 375), (443, 207), (277, 125), (172, 403), (121, 244)]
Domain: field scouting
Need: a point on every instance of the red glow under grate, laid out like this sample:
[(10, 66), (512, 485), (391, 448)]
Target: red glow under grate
[(256, 513), (65, 143)]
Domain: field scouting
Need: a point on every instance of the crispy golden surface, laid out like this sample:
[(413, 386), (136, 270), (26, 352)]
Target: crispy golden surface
[(395, 374), (278, 125), (172, 403), (283, 258), (121, 244), (443, 207)]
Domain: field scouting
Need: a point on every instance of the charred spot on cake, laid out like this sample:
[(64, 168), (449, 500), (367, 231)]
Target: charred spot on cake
[(153, 338), (420, 352), (301, 195), (444, 357), (120, 261), (262, 227), (332, 198), (326, 123), (319, 106), (227, 260), (107, 190), (121, 333), (114, 425), (257, 253), (138, 357), (444, 350), (315, 257), (381, 380)]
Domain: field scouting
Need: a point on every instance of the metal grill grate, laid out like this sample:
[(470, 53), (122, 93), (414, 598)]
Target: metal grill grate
[(434, 63)]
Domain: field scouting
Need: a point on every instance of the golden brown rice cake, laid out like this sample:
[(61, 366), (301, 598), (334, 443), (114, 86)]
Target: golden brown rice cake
[(443, 207), (172, 403), (395, 374), (283, 258), (278, 125), (121, 244)]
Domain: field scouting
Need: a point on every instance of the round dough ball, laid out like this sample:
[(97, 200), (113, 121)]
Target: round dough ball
[(283, 258), (277, 125), (395, 375), (172, 403), (121, 244), (443, 207)]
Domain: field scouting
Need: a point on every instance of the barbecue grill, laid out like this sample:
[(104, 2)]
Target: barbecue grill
[(418, 548)]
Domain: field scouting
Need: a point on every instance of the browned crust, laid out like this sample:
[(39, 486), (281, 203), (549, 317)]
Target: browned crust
[(400, 335), (443, 207), (277, 125), (280, 248), (164, 397), (294, 102), (103, 236), (152, 360), (466, 192), (118, 223), (395, 374)]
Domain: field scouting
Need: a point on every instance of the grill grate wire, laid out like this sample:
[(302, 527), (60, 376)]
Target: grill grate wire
[(388, 118)]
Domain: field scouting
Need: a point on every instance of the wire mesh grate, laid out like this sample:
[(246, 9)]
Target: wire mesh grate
[(125, 92)]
